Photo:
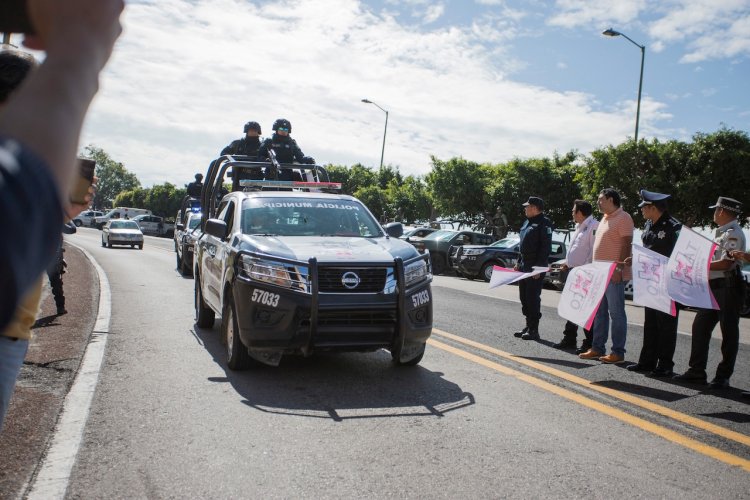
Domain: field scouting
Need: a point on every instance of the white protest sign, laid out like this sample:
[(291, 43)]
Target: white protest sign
[(650, 280), (504, 276), (687, 271), (583, 292)]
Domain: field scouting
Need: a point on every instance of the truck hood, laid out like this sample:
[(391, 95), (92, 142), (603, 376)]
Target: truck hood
[(330, 248)]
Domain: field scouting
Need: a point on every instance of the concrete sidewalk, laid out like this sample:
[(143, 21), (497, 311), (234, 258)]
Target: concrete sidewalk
[(550, 298)]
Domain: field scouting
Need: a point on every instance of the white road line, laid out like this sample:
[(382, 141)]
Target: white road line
[(53, 475)]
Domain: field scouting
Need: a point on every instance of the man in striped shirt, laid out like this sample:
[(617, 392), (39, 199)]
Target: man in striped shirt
[(613, 241)]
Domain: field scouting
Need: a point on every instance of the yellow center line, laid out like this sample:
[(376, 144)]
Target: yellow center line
[(635, 400), (645, 425)]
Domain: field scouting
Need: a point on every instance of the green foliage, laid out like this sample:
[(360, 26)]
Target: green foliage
[(409, 200), (458, 188), (113, 177), (695, 174), (374, 199)]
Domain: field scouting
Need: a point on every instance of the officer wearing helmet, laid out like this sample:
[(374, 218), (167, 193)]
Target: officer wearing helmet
[(246, 146), (194, 188), (284, 146)]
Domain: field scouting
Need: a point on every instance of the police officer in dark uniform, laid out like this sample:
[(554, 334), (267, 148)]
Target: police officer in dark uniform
[(246, 146), (534, 249), (285, 147), (194, 188), (727, 286), (659, 328), (57, 269)]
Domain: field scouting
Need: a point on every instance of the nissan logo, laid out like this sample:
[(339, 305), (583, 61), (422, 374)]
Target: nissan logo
[(350, 280)]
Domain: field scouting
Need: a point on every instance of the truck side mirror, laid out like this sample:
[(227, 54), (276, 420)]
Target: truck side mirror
[(394, 229), (217, 228), (180, 227)]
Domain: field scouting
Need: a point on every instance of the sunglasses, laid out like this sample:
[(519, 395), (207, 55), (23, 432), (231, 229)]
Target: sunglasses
[(283, 129)]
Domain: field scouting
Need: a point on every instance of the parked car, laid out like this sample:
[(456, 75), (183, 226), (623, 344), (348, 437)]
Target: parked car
[(477, 261), (154, 225), (438, 244), (185, 237), (122, 232), (86, 218), (417, 233)]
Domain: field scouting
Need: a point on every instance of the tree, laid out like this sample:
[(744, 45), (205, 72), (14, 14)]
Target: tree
[(113, 177), (408, 201), (457, 188), (374, 199)]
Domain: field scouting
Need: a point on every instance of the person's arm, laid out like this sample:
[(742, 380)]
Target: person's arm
[(47, 111)]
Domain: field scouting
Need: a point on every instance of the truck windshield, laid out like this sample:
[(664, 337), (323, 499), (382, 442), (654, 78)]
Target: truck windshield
[(308, 217)]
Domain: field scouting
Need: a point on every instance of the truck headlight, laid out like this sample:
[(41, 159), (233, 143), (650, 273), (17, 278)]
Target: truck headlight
[(273, 272), (473, 251), (415, 271)]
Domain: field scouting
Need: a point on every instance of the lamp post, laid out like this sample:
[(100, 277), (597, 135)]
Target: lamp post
[(611, 32), (385, 130)]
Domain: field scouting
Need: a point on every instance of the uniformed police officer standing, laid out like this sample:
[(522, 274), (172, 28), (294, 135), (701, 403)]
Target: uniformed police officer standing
[(245, 146), (284, 146), (727, 287), (534, 249), (659, 328)]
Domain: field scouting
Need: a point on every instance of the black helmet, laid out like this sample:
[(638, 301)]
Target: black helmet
[(198, 177), (282, 123), (252, 126)]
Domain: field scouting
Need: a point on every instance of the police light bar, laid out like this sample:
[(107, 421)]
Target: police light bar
[(289, 184)]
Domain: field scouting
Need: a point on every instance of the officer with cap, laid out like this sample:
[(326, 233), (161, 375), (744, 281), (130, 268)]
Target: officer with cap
[(284, 146), (726, 284), (194, 188), (659, 328), (534, 250), (245, 146)]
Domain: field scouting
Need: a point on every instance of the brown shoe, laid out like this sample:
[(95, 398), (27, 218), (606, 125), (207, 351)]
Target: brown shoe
[(590, 354), (611, 358)]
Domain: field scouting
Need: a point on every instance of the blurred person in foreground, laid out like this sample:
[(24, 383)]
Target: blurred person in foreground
[(40, 124)]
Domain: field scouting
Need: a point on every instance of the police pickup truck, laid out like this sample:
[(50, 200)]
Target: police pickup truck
[(293, 268)]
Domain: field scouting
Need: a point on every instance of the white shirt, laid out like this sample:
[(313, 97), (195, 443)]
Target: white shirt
[(581, 249)]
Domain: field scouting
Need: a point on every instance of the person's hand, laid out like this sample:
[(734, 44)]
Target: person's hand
[(536, 276), (616, 276), (91, 26), (564, 267), (628, 261), (516, 268), (73, 209)]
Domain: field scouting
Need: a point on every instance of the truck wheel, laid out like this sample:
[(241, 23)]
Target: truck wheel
[(77, 222), (412, 362), (184, 266), (204, 316), (140, 247), (486, 273), (237, 355), (104, 244), (179, 262)]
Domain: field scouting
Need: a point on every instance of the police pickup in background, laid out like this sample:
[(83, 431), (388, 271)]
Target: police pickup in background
[(476, 261), (294, 268), (153, 225), (438, 244), (185, 237)]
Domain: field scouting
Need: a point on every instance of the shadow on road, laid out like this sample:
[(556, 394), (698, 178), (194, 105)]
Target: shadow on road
[(642, 390), (339, 386)]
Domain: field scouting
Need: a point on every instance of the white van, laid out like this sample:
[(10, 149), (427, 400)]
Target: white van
[(119, 213)]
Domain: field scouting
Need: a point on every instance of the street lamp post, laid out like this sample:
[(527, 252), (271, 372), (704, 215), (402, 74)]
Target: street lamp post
[(611, 32), (385, 130)]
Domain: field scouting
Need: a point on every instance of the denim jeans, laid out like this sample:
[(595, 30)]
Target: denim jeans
[(12, 353), (612, 306)]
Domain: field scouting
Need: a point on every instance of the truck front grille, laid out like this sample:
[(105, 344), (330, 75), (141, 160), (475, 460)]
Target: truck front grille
[(344, 280)]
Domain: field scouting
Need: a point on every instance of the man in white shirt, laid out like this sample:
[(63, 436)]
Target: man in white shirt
[(580, 252)]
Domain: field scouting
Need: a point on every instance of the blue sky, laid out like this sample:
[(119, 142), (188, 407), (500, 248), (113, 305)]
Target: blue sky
[(484, 79)]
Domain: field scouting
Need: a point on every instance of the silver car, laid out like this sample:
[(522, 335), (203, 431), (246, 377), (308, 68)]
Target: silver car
[(122, 232)]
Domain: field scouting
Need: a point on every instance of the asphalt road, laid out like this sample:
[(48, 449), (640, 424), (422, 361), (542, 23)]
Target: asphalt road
[(484, 414)]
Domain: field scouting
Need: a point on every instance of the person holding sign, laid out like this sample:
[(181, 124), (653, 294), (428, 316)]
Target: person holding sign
[(612, 244), (659, 328), (534, 249), (726, 285)]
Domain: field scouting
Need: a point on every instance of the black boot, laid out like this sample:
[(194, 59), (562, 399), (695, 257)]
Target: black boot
[(521, 333), (567, 342), (532, 334)]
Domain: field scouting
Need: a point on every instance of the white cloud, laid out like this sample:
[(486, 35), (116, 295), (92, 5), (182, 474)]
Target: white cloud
[(562, 65), (433, 13), (573, 13), (185, 76)]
